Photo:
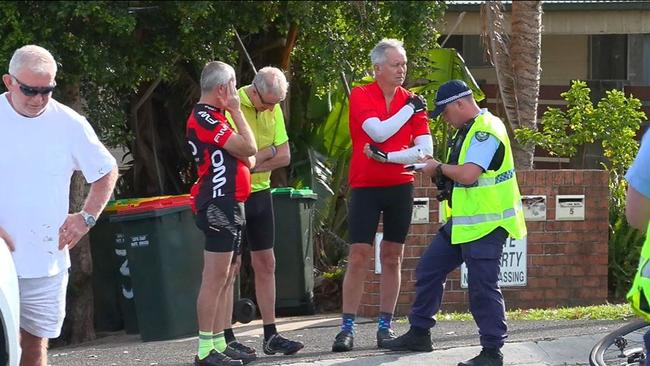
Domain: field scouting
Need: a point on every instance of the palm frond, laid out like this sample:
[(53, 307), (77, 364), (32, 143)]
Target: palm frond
[(497, 47)]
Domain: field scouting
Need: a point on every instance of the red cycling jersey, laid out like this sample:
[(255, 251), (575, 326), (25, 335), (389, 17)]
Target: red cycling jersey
[(368, 101), (221, 175)]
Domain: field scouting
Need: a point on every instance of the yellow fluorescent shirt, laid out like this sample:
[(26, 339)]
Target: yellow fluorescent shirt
[(268, 129)]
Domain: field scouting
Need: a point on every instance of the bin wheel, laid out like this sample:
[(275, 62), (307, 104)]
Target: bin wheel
[(244, 311)]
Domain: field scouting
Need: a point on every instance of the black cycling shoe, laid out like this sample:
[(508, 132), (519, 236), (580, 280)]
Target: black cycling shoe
[(384, 335), (238, 351), (279, 344), (410, 341), (343, 342), (487, 357), (216, 359), (242, 347)]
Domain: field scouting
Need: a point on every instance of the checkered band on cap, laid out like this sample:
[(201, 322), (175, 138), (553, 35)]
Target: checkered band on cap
[(454, 97)]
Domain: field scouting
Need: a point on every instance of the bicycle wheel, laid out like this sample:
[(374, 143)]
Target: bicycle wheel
[(623, 346)]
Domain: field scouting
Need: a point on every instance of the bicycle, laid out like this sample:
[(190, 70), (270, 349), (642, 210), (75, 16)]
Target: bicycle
[(624, 346)]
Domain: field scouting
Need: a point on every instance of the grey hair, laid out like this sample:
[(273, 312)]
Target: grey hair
[(214, 74), (271, 80), (378, 54), (33, 58)]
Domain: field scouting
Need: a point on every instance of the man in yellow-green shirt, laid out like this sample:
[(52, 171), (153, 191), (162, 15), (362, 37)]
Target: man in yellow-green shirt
[(260, 103)]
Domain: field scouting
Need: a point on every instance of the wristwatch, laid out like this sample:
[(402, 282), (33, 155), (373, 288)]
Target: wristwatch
[(88, 219), (439, 170)]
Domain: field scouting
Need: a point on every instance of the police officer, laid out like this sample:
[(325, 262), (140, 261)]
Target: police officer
[(637, 212), (483, 208)]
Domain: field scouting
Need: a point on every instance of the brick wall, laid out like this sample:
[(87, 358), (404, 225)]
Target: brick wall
[(567, 260)]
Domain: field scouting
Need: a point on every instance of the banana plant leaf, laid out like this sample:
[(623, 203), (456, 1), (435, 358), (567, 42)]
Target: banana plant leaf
[(446, 64)]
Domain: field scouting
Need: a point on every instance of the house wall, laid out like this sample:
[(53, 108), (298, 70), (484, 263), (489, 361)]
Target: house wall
[(564, 22), (567, 260), (564, 58)]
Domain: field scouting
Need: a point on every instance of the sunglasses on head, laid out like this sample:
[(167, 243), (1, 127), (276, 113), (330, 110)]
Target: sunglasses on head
[(31, 91)]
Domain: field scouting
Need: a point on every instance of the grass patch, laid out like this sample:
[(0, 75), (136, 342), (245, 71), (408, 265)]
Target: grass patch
[(596, 312)]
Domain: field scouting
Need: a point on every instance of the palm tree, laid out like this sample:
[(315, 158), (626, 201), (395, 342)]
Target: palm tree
[(516, 59)]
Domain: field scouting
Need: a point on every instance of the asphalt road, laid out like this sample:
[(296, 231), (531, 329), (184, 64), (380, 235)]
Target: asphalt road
[(561, 342)]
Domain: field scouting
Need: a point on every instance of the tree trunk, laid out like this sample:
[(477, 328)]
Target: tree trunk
[(78, 326), (80, 299), (526, 50), (279, 177), (147, 175)]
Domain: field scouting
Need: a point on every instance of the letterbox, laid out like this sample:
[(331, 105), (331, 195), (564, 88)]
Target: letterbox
[(570, 207), (420, 211), (534, 207)]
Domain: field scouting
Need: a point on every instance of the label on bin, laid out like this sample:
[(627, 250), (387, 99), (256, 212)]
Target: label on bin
[(139, 241), (120, 251)]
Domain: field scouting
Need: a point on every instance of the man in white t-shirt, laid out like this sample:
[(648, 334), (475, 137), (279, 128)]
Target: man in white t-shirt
[(42, 142)]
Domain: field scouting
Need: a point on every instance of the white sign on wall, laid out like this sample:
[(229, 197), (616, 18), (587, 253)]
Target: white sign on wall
[(378, 238), (513, 265)]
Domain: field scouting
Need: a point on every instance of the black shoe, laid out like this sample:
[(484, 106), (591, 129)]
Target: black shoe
[(242, 347), (384, 335), (238, 351), (343, 342), (487, 357), (279, 344), (410, 341), (216, 359)]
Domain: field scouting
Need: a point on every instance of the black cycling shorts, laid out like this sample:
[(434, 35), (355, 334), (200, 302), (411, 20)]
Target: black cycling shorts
[(222, 222), (259, 233), (367, 203)]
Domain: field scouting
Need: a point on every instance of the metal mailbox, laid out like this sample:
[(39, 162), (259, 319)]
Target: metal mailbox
[(420, 211), (570, 207), (534, 207)]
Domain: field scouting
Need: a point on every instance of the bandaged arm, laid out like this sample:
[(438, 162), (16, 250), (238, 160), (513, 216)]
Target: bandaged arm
[(380, 131), (423, 146)]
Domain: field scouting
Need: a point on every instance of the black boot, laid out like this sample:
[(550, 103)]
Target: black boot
[(416, 339), (487, 357)]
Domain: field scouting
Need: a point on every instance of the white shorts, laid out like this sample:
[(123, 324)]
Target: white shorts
[(42, 304)]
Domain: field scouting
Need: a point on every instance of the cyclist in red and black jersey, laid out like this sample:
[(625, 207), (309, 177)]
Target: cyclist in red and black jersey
[(223, 158), (221, 174)]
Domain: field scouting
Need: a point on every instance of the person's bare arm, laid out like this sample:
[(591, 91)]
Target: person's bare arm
[(7, 238), (637, 209), (267, 161), (242, 143), (464, 174), (74, 227)]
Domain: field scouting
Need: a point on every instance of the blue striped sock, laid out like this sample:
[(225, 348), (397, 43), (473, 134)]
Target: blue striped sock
[(347, 322), (384, 321)]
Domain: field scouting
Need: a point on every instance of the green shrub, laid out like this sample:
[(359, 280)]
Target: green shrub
[(614, 123)]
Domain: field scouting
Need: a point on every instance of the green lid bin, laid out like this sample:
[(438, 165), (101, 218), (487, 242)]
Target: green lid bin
[(165, 255), (294, 250)]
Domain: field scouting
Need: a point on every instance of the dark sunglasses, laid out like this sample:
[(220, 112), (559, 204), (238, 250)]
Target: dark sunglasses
[(31, 91)]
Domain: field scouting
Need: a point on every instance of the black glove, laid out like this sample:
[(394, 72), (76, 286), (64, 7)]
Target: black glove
[(418, 103), (378, 154)]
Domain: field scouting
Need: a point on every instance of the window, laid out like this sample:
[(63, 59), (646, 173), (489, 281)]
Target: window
[(470, 48), (608, 57)]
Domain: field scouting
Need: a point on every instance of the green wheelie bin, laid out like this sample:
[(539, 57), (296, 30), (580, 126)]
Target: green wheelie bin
[(294, 250), (114, 308), (165, 253)]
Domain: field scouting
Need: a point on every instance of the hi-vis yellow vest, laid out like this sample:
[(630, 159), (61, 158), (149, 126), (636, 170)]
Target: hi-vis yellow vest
[(494, 199), (638, 294)]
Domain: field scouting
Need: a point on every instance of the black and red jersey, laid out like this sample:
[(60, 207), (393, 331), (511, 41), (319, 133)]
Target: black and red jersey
[(221, 175)]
